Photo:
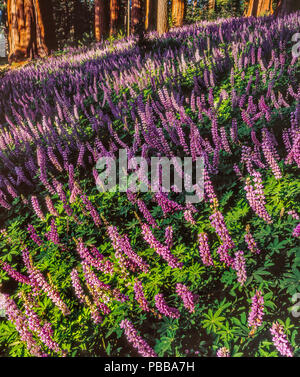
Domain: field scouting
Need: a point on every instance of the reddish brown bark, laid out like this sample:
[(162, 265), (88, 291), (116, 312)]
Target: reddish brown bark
[(178, 12), (258, 8), (287, 6), (27, 35), (162, 16), (114, 16), (211, 5), (136, 15), (101, 19), (151, 15)]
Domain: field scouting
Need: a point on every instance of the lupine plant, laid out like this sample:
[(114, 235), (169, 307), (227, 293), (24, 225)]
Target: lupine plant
[(84, 272)]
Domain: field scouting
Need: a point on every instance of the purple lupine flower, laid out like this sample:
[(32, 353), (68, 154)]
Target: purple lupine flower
[(14, 274), (209, 189), (52, 235), (37, 278), (255, 196), (163, 307), (223, 251), (252, 245), (140, 297), (15, 316), (267, 151), (98, 289), (234, 131), (136, 340), (169, 237), (54, 159), (44, 332), (34, 236), (186, 296), (217, 221), (76, 191), (93, 212), (161, 250), (36, 207), (223, 352), (296, 232), (224, 140), (294, 214), (166, 204), (77, 286), (4, 204), (122, 244), (104, 265), (239, 265), (204, 249), (257, 311), (146, 213), (62, 196), (280, 340), (50, 206)]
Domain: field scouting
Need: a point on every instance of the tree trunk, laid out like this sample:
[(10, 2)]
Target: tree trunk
[(286, 7), (151, 15), (178, 12), (211, 5), (27, 35), (101, 19), (258, 8), (136, 16), (162, 16), (114, 16)]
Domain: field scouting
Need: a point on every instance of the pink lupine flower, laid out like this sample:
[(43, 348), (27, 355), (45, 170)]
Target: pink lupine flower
[(296, 232), (146, 213), (50, 206), (204, 249), (92, 210), (223, 251), (294, 214), (186, 296), (223, 352), (15, 316), (169, 236), (239, 265), (34, 235), (257, 311), (36, 207), (136, 340), (280, 340), (252, 245), (217, 221), (14, 274), (255, 197), (52, 235), (161, 250), (44, 332), (77, 286), (122, 245), (140, 297), (163, 307)]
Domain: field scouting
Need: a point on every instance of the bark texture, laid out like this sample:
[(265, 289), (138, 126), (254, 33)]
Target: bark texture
[(101, 19), (31, 29), (162, 16), (114, 16), (151, 15), (178, 7), (258, 8)]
